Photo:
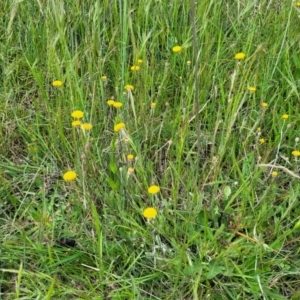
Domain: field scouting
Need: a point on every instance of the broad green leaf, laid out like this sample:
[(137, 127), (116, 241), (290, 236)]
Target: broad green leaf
[(297, 225), (215, 268), (227, 192)]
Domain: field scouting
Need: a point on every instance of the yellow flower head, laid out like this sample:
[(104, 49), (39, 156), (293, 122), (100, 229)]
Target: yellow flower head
[(188, 62), (177, 49), (77, 114), (135, 68), (57, 83), (240, 56), (140, 61), (86, 126), (153, 104), (70, 176), (110, 102), (76, 123), (258, 129), (297, 4), (285, 116), (129, 87), (130, 171), (104, 78), (264, 104), (262, 141), (153, 189), (117, 104), (296, 153), (118, 127), (274, 174), (252, 89), (130, 157), (150, 213)]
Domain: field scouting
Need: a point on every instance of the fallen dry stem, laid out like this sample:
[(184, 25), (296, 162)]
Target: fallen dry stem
[(279, 167)]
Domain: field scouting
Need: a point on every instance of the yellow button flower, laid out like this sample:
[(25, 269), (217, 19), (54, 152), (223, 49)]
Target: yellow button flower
[(150, 213), (117, 104), (129, 87), (274, 174), (262, 141), (177, 49), (296, 153), (135, 68), (140, 61), (252, 89), (264, 104), (130, 156), (240, 56), (104, 78), (285, 116), (57, 83), (86, 126), (76, 123), (118, 127), (77, 114), (70, 176), (110, 102), (130, 171), (153, 189)]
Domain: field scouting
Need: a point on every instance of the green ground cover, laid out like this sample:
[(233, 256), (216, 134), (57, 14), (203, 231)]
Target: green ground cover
[(208, 139)]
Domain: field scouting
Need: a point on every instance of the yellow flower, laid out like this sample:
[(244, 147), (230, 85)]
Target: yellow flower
[(262, 140), (130, 156), (258, 129), (57, 83), (153, 189), (77, 114), (118, 127), (135, 68), (140, 61), (110, 102), (285, 116), (76, 123), (86, 126), (104, 78), (177, 49), (150, 213), (251, 89), (188, 62), (296, 153), (240, 56), (274, 174), (129, 87), (264, 104), (297, 4), (117, 104), (153, 104), (130, 171), (70, 176)]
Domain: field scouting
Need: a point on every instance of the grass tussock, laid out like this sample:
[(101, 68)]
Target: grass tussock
[(149, 149)]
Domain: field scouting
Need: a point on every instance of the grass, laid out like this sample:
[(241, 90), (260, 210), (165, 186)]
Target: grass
[(225, 227)]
